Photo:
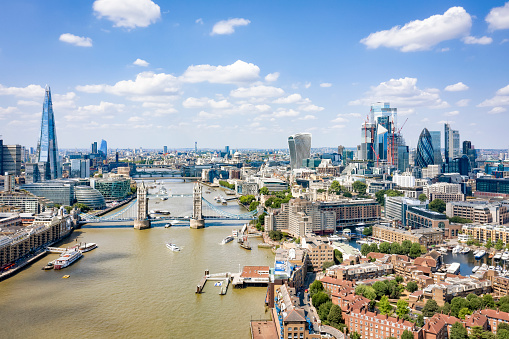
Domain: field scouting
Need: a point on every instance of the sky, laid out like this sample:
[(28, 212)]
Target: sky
[(142, 73)]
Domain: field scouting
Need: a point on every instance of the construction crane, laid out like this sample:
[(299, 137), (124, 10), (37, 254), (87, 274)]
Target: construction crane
[(391, 149), (376, 155)]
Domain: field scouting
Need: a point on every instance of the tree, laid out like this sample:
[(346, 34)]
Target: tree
[(335, 187), (458, 331), (412, 287), (347, 195), (384, 306), (57, 206), (365, 249), (399, 279), (463, 312), (276, 235), (406, 245), (489, 244), (324, 309), (380, 288), (487, 301), (446, 309), (368, 231), (459, 220), (338, 256), (385, 247), (359, 187), (395, 248), (264, 191), (315, 287), (415, 250), (499, 245), (253, 205), (407, 335), (474, 302), (369, 293), (374, 248), (488, 335), (430, 308), (327, 264), (319, 298), (84, 208), (423, 197), (335, 316), (457, 304), (475, 332), (355, 335), (402, 309), (437, 205), (420, 320)]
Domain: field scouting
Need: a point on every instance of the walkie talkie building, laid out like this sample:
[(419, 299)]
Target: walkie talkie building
[(300, 148)]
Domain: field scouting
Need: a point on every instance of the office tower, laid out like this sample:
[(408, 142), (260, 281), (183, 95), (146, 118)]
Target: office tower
[(165, 149), (300, 148), (452, 143), (104, 148), (436, 142), (196, 147), (227, 150), (470, 152), (94, 147), (1, 155), (116, 156), (47, 149), (424, 155)]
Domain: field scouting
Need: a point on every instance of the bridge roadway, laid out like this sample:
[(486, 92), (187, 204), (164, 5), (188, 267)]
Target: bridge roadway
[(165, 177)]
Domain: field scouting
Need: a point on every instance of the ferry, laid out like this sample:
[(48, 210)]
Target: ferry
[(480, 254), (67, 258), (173, 247), (227, 240), (86, 247)]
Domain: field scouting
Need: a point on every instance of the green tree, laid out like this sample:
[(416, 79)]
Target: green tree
[(458, 331), (324, 309), (423, 197), (459, 220), (368, 231), (276, 235), (457, 304), (487, 301), (359, 187), (499, 245), (380, 197), (430, 308), (57, 206), (474, 302), (446, 309), (476, 332), (502, 334), (359, 289), (84, 208), (412, 287), (347, 195), (335, 187), (315, 287), (406, 245), (437, 205), (264, 191), (415, 250), (253, 205), (319, 298), (380, 288), (338, 256), (374, 248), (395, 248), (399, 279), (355, 335), (327, 264), (463, 312), (488, 335), (385, 247), (384, 306), (365, 249), (369, 293), (402, 309), (420, 320), (407, 335), (335, 316)]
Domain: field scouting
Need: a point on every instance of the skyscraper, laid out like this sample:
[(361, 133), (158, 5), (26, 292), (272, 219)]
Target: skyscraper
[(104, 148), (300, 148), (47, 149), (424, 155), (436, 142), (470, 152), (94, 147), (452, 143)]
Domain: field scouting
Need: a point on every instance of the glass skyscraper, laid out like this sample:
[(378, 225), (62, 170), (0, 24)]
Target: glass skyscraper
[(452, 143), (47, 149), (424, 155), (436, 141), (300, 148), (104, 148)]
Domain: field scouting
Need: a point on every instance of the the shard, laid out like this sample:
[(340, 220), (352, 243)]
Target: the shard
[(47, 149)]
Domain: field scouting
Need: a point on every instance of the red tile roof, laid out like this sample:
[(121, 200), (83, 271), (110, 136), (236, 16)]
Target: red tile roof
[(495, 314)]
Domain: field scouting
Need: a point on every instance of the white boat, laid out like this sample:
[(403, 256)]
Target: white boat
[(505, 256), (483, 267), (173, 247), (67, 258), (498, 256), (167, 225), (480, 254), (457, 249), (87, 247), (491, 268), (465, 250), (453, 268), (227, 240), (443, 250), (475, 269), (235, 233)]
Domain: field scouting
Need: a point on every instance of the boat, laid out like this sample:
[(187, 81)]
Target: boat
[(227, 240), (505, 256), (442, 250), (167, 225), (480, 254), (235, 233), (453, 268), (475, 269), (245, 245), (223, 201), (86, 247), (457, 249), (173, 247), (67, 276), (498, 256), (67, 258), (491, 268), (49, 266), (483, 267), (164, 198), (465, 250)]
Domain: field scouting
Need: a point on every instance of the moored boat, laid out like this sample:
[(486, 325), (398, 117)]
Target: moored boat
[(480, 254), (85, 247), (475, 269), (67, 258)]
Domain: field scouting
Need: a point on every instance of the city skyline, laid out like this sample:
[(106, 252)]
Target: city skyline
[(249, 75)]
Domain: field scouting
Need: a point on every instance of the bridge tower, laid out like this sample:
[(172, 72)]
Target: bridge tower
[(197, 219), (142, 221)]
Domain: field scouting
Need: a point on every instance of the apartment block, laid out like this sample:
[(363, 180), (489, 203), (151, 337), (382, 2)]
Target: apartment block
[(482, 212), (364, 271), (423, 236), (484, 233)]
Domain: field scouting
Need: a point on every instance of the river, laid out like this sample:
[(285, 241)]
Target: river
[(132, 286)]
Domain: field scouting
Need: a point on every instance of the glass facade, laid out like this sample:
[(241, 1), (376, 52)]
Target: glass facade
[(492, 185), (436, 141), (90, 197), (300, 148), (47, 149), (113, 189), (104, 148), (424, 155)]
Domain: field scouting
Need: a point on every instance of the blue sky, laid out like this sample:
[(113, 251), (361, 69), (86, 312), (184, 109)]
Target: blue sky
[(143, 73)]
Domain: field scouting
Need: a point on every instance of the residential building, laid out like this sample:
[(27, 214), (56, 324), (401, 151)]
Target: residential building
[(353, 212), (371, 325), (25, 201), (300, 148), (47, 149), (483, 233), (444, 191), (482, 212), (423, 236), (495, 317), (318, 252), (456, 287), (364, 271)]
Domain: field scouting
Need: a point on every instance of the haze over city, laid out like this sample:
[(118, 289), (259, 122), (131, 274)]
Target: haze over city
[(144, 73)]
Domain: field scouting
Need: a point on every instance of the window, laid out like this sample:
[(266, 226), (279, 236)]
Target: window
[(289, 328), (289, 335)]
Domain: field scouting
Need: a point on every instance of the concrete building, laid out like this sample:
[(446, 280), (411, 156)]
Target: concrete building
[(423, 236), (404, 180), (25, 201), (432, 171), (318, 252), (364, 271), (91, 197), (482, 212), (418, 217), (456, 287), (58, 192), (11, 159), (377, 326), (353, 212), (396, 207)]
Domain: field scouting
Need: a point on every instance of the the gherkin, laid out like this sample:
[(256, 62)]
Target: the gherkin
[(424, 155), (47, 149)]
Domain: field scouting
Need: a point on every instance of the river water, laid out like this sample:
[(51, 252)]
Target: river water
[(132, 286)]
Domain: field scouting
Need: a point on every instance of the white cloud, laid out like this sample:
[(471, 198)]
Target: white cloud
[(497, 110), (205, 115), (420, 35), (325, 84), (202, 102), (445, 49), (64, 101), (339, 119), (257, 91), (292, 98), (271, 77), (146, 83), (199, 21), (311, 108), (76, 40), (500, 99), (135, 119), (238, 72), (283, 113), (403, 93), (228, 26), (308, 117), (452, 113), (7, 110), (456, 87), (307, 85), (471, 40), (28, 103), (463, 102), (26, 92), (503, 91), (128, 13), (86, 112), (140, 62), (498, 18)]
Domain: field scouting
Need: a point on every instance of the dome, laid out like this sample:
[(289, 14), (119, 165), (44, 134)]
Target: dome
[(91, 197)]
